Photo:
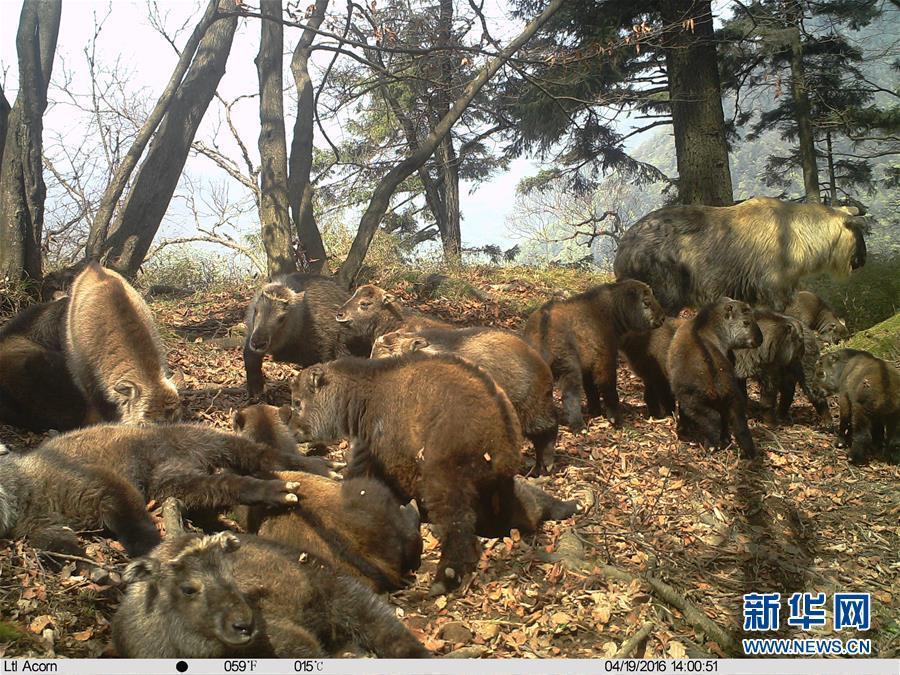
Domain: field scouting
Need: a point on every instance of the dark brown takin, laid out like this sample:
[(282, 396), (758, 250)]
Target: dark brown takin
[(292, 318), (372, 312), (579, 338), (711, 405), (517, 368), (433, 428), (647, 352), (868, 390)]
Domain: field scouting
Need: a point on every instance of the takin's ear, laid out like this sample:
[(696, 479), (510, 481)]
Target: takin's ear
[(177, 378), (141, 570), (860, 223), (317, 377), (284, 413), (238, 421), (388, 299), (228, 541), (848, 209), (729, 310), (128, 389)]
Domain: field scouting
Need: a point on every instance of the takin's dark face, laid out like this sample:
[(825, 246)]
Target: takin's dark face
[(859, 228), (270, 316), (833, 332), (741, 329), (313, 417), (828, 371), (199, 591), (361, 311), (647, 313)]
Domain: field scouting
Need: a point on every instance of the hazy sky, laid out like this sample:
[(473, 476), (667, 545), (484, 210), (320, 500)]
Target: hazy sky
[(128, 37)]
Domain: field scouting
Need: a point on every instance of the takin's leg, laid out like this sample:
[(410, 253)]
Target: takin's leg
[(696, 416), (604, 378), (200, 491), (571, 387), (845, 422), (737, 421), (255, 380), (451, 499), (289, 640), (787, 385), (861, 445), (768, 397)]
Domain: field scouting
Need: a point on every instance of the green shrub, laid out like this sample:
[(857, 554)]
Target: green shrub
[(882, 339), (193, 268), (871, 295)]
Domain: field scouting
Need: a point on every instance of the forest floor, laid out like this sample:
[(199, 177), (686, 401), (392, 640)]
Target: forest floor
[(658, 516)]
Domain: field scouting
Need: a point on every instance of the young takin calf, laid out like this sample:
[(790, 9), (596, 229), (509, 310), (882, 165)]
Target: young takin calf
[(227, 596), (868, 392), (207, 470), (818, 316), (372, 312), (357, 525), (434, 428), (647, 353), (710, 402), (519, 370), (579, 338), (768, 363), (114, 351)]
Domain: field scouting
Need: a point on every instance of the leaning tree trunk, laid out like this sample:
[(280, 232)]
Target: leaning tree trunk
[(275, 219), (381, 197), (101, 222), (146, 204), (695, 99), (800, 95), (22, 189), (300, 188)]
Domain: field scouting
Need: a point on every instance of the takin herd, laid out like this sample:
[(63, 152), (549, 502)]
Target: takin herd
[(436, 416)]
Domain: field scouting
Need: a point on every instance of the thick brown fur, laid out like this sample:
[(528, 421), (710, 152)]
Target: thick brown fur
[(757, 250), (517, 368), (267, 424), (220, 596), (711, 405), (44, 496), (36, 390), (208, 470), (781, 348), (647, 352), (292, 318), (868, 391), (434, 428), (372, 312), (802, 372), (114, 351), (818, 316), (579, 338), (356, 525)]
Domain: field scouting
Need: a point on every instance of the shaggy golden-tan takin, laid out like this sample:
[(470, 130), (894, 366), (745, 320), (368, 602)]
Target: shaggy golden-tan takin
[(114, 351), (757, 250)]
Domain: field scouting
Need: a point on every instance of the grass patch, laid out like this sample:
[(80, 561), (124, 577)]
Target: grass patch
[(882, 339)]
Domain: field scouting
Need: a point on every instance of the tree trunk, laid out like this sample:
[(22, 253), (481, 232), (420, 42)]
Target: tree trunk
[(22, 189), (831, 175), (448, 223), (448, 166), (275, 219), (112, 194), (800, 95), (381, 197), (300, 189), (158, 176), (695, 96)]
